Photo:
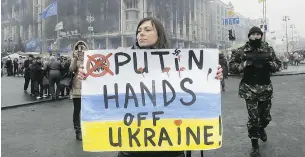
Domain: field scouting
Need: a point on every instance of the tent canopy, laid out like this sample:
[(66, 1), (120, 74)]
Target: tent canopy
[(12, 56)]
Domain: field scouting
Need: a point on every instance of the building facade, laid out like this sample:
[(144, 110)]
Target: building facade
[(189, 23), (218, 11)]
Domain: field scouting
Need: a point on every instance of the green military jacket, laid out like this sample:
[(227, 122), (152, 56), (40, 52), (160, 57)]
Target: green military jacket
[(236, 66)]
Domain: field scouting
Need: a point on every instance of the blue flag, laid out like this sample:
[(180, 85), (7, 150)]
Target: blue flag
[(49, 11)]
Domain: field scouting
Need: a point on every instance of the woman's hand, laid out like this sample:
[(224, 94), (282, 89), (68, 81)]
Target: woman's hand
[(81, 73), (219, 74)]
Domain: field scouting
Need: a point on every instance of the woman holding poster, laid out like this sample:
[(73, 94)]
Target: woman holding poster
[(150, 34), (77, 62)]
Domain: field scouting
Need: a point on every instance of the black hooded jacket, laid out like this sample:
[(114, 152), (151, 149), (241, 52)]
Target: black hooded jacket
[(36, 71)]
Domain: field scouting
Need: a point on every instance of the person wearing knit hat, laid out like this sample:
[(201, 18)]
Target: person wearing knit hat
[(255, 30), (256, 60)]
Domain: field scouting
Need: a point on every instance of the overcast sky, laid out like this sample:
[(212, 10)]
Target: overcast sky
[(276, 9)]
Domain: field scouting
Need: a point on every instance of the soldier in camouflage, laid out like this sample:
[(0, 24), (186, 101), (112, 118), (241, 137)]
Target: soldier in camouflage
[(256, 60)]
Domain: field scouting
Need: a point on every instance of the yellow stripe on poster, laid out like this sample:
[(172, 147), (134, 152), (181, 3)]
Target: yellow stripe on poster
[(168, 134)]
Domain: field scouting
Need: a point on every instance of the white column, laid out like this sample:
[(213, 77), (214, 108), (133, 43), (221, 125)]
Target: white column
[(190, 25), (122, 23), (184, 25), (171, 20), (30, 32), (21, 32), (107, 42)]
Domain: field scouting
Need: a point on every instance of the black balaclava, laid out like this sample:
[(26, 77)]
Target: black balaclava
[(256, 43)]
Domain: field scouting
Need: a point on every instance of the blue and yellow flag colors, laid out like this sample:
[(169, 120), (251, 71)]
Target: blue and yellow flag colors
[(49, 11), (155, 107)]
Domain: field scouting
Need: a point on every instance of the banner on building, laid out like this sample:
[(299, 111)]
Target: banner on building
[(32, 45), (231, 21), (151, 100)]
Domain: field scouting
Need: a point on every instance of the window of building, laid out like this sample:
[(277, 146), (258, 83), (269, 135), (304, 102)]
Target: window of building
[(131, 26), (131, 4), (149, 14), (127, 16), (132, 15), (198, 3)]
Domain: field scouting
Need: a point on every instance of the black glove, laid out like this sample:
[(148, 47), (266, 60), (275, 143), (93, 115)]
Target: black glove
[(261, 63)]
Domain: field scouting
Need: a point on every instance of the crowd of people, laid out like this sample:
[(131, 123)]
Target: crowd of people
[(293, 58), (42, 74), (13, 67)]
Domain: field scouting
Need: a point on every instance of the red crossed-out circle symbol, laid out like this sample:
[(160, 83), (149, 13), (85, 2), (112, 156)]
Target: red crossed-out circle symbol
[(104, 63)]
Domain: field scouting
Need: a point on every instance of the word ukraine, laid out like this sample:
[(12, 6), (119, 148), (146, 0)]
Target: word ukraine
[(151, 100)]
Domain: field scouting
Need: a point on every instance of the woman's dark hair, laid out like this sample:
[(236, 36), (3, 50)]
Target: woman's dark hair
[(162, 42)]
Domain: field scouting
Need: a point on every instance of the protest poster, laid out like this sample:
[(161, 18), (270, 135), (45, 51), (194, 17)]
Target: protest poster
[(151, 100)]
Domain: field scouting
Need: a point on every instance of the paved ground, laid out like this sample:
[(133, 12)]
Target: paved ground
[(12, 92), (294, 69), (46, 130)]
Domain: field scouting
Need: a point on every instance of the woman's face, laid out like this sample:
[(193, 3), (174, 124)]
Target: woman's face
[(147, 34)]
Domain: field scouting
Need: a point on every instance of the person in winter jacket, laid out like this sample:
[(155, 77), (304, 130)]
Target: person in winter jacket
[(65, 71), (37, 79), (53, 69), (9, 66), (256, 60), (15, 63), (77, 62), (27, 73)]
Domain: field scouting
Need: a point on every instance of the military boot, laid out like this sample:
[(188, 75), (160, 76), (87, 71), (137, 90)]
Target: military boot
[(78, 135), (263, 135), (78, 131), (255, 148)]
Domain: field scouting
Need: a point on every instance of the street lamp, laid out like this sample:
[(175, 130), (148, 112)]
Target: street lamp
[(292, 26), (286, 19), (90, 19)]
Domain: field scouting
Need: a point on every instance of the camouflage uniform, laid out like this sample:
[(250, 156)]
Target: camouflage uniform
[(255, 87)]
